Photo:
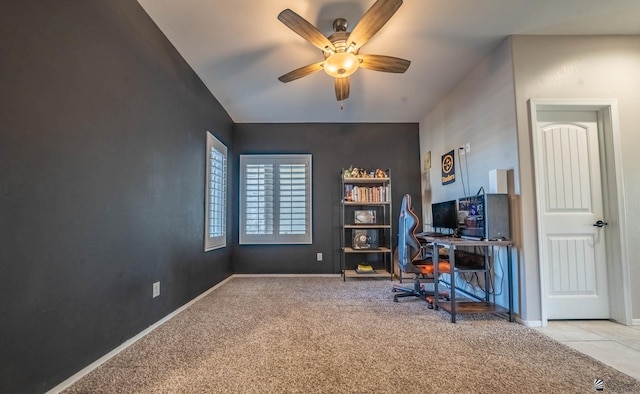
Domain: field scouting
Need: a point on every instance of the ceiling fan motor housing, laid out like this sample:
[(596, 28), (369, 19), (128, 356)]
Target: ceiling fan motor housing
[(340, 24), (339, 41)]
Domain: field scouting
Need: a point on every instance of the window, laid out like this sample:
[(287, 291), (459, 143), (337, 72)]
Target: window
[(215, 231), (275, 199)]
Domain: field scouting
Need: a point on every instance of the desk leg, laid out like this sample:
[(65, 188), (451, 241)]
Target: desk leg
[(510, 283), (435, 259), (488, 278), (452, 263)]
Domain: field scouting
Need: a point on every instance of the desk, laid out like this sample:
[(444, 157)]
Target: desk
[(454, 306)]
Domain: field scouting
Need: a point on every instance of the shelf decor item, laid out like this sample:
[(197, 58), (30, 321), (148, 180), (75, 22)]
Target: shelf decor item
[(365, 239), (365, 269), (356, 172), (364, 216)]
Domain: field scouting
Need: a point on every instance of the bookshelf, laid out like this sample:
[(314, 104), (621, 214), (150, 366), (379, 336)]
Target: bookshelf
[(365, 224)]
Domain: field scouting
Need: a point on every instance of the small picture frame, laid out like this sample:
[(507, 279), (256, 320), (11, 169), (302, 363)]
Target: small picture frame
[(364, 217)]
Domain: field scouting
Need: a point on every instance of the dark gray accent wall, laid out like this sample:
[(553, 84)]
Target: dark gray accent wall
[(333, 146), (102, 148)]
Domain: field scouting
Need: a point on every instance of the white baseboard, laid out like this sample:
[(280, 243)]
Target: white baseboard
[(538, 323), (530, 323), (84, 371), (287, 275)]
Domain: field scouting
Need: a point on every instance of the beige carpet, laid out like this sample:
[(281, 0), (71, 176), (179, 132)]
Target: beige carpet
[(323, 335)]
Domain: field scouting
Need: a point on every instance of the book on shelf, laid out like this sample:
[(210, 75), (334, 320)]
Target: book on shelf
[(348, 192), (354, 193)]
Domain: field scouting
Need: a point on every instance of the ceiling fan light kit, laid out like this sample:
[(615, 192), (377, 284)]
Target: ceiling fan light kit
[(341, 64), (340, 50)]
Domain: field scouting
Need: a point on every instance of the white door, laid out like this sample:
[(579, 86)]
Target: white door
[(573, 249)]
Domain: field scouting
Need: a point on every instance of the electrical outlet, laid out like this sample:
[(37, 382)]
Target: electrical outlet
[(461, 150), (319, 256), (467, 147), (156, 289)]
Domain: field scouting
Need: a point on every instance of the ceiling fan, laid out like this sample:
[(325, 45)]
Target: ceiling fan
[(341, 49)]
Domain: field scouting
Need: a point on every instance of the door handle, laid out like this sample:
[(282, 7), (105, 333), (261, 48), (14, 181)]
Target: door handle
[(600, 223)]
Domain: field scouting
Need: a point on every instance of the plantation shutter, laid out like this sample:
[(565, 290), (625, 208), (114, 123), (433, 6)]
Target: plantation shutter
[(215, 197), (259, 198), (293, 199), (275, 199)]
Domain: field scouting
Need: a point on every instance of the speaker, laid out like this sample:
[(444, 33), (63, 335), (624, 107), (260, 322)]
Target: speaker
[(497, 216), (498, 181)]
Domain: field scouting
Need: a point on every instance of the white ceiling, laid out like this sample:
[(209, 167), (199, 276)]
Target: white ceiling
[(239, 48)]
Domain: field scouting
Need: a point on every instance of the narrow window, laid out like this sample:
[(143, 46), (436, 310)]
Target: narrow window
[(215, 195)]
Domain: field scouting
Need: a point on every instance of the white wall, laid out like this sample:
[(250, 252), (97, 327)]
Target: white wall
[(593, 67), (479, 111), (489, 109)]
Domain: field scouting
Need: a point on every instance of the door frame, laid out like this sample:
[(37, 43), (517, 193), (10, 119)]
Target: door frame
[(613, 200)]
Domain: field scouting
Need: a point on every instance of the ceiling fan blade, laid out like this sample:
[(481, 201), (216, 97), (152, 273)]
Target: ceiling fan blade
[(342, 88), (305, 30), (301, 72), (388, 64), (372, 21)]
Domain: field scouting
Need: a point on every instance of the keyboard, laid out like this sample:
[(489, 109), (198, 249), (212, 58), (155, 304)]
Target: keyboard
[(430, 234)]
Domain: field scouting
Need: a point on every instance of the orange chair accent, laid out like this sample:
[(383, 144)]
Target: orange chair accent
[(427, 268)]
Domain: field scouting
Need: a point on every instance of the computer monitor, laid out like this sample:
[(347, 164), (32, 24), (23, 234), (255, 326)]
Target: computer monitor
[(445, 215)]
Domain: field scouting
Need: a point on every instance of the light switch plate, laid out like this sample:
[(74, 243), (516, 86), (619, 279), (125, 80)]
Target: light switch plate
[(156, 289)]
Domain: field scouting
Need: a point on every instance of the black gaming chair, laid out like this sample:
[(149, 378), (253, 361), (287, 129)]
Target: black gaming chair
[(408, 254)]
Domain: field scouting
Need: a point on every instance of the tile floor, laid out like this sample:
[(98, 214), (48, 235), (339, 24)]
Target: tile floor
[(613, 344)]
